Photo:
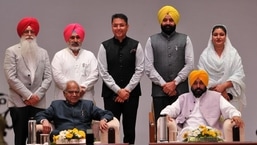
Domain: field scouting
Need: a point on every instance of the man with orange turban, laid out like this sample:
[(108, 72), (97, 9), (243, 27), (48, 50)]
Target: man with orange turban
[(201, 106), (169, 58), (28, 73), (74, 63)]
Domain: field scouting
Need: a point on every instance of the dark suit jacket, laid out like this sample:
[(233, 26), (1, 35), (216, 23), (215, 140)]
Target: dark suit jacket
[(66, 116)]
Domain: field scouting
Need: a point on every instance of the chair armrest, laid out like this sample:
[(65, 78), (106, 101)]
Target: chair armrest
[(115, 124), (172, 127), (228, 131), (152, 137), (39, 130), (39, 127)]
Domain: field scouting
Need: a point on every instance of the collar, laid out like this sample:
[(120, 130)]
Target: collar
[(124, 41), (168, 36), (68, 104)]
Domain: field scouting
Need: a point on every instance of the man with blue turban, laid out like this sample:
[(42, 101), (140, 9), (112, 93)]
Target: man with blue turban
[(169, 58)]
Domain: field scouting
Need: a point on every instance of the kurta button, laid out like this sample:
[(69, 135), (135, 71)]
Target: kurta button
[(29, 84), (28, 75)]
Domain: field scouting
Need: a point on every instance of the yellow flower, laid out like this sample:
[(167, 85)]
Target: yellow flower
[(185, 135), (55, 138), (202, 132), (82, 134), (75, 130), (69, 134)]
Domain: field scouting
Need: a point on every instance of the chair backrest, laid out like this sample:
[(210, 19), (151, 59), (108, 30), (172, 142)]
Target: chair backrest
[(152, 128)]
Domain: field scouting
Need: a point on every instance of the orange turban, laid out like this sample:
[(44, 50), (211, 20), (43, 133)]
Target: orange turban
[(168, 10), (74, 27), (25, 22), (201, 74)]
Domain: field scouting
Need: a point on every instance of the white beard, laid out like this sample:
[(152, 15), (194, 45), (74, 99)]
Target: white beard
[(30, 53), (74, 48)]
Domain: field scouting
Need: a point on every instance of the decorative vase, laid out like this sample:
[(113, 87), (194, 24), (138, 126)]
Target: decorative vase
[(71, 141), (202, 139)]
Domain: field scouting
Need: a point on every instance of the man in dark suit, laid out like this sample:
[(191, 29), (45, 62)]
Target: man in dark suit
[(28, 73), (72, 112), (121, 66)]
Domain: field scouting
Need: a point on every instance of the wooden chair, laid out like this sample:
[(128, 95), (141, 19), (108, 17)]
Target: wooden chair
[(152, 128)]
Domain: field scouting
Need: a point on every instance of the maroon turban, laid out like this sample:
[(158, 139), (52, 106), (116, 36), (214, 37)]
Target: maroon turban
[(25, 22), (75, 27)]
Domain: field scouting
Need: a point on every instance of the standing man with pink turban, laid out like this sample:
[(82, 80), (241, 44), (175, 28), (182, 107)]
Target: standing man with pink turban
[(28, 73), (201, 106), (169, 58), (74, 63)]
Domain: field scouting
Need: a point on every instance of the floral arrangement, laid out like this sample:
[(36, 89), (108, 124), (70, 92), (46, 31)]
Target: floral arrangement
[(202, 134), (68, 135)]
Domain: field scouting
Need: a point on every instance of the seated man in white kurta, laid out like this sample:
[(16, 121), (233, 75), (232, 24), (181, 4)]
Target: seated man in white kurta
[(201, 106)]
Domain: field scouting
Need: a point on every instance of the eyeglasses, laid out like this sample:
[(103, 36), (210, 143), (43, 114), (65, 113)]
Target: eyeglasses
[(29, 31), (72, 92)]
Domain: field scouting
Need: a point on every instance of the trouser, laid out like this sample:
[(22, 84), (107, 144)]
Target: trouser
[(160, 103), (20, 117), (128, 109)]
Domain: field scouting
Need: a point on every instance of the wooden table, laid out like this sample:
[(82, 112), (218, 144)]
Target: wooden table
[(97, 144), (206, 143), (85, 144)]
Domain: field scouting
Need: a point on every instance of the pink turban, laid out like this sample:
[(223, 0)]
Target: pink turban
[(25, 22), (198, 74), (75, 27)]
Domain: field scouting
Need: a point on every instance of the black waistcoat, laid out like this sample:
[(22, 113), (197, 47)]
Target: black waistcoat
[(121, 60)]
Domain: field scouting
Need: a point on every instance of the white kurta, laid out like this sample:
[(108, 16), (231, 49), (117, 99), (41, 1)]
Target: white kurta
[(81, 68), (227, 67), (196, 118)]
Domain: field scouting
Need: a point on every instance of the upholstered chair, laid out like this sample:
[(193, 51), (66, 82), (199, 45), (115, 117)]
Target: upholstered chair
[(102, 137)]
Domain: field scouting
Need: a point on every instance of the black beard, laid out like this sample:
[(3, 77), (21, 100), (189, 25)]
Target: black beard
[(168, 29), (198, 91)]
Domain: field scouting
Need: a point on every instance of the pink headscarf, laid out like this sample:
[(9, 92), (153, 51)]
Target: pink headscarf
[(25, 22), (74, 27)]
